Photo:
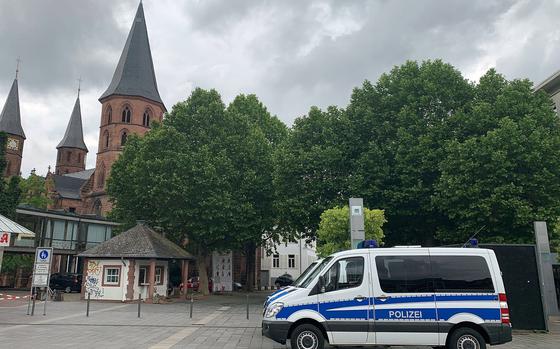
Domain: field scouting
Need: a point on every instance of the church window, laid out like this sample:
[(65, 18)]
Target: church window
[(109, 115), (101, 178), (106, 139), (69, 156), (124, 136), (97, 207), (146, 118), (126, 114), (79, 158)]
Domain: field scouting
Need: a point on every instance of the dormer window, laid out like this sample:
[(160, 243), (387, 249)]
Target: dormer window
[(126, 114)]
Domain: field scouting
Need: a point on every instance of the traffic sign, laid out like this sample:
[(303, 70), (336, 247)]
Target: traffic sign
[(42, 267)]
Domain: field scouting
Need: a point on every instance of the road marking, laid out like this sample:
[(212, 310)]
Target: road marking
[(211, 317), (62, 317), (174, 339)]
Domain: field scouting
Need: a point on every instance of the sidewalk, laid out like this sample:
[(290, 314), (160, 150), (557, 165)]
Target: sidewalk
[(218, 322)]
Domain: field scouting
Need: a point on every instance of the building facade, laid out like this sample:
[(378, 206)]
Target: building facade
[(289, 258)]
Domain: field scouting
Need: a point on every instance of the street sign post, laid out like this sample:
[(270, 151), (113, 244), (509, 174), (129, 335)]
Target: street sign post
[(41, 272)]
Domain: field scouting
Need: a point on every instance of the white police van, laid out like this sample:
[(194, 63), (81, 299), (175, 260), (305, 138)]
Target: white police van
[(452, 297)]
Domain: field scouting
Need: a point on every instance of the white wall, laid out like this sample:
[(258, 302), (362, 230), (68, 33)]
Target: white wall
[(143, 289), (308, 256), (94, 279)]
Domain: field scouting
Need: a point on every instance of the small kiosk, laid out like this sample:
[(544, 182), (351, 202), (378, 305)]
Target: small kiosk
[(131, 264)]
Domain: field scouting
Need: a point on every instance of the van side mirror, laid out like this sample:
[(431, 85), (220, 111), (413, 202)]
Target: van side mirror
[(321, 284)]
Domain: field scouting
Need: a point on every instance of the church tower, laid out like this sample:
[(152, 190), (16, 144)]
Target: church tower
[(72, 150), (129, 106), (10, 123)]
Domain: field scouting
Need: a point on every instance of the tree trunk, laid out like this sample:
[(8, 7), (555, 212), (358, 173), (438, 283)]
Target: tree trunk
[(202, 275), (249, 252)]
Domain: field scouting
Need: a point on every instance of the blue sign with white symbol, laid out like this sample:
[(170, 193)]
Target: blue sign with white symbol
[(44, 254)]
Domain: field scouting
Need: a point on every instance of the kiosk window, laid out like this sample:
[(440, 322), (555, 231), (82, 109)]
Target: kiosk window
[(404, 274), (461, 274), (345, 273)]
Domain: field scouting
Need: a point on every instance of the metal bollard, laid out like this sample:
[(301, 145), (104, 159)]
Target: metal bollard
[(139, 303), (33, 306), (87, 304), (190, 311), (247, 307)]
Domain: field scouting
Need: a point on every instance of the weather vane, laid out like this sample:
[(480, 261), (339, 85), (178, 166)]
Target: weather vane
[(79, 85), (18, 60)]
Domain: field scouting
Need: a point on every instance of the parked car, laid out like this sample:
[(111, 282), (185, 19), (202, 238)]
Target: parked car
[(68, 282), (284, 280)]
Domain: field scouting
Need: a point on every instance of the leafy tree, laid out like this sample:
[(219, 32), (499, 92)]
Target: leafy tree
[(505, 173), (333, 234), (203, 176), (34, 192), (311, 171), (399, 127)]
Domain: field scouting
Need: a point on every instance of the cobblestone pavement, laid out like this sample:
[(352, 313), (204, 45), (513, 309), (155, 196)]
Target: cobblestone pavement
[(218, 322)]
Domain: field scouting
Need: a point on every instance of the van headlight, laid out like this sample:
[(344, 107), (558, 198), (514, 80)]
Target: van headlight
[(274, 309)]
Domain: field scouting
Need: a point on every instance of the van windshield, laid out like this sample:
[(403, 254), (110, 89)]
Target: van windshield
[(315, 272), (305, 274)]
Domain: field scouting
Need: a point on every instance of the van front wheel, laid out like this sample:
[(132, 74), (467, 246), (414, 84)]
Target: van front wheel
[(307, 336), (466, 338)]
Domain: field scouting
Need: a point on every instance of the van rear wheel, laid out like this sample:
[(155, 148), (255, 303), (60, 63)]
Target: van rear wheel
[(466, 338), (307, 336)]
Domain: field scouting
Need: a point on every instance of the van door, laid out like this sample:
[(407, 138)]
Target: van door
[(346, 299), (403, 298)]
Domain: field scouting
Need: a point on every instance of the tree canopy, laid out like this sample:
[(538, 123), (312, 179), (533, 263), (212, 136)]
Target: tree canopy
[(203, 176), (333, 234)]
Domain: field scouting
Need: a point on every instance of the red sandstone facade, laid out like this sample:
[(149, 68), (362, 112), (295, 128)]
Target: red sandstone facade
[(70, 160)]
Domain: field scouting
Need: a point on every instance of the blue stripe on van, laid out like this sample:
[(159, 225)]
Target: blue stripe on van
[(405, 314), (483, 313)]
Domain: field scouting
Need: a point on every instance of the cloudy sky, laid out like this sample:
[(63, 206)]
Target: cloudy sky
[(292, 54)]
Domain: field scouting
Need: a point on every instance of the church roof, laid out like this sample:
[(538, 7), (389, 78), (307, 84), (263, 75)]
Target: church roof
[(68, 187), (74, 136), (135, 74), (85, 174), (10, 119), (138, 242)]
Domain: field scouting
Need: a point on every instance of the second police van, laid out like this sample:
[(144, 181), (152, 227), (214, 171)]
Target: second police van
[(440, 297)]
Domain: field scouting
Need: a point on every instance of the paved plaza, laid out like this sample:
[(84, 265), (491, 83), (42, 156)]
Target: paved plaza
[(217, 322)]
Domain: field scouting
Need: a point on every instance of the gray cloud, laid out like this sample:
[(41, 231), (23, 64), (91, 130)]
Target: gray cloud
[(292, 54)]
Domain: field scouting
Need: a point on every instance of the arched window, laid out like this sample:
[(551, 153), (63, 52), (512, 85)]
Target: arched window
[(79, 157), (106, 139), (126, 114), (146, 118), (109, 115), (97, 207), (124, 136), (101, 176), (69, 156)]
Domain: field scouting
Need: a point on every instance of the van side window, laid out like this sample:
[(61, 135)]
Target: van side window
[(345, 273), (404, 274), (461, 274)]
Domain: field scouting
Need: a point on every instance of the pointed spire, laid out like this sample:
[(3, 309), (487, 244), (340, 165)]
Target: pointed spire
[(10, 119), (74, 136), (135, 74)]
